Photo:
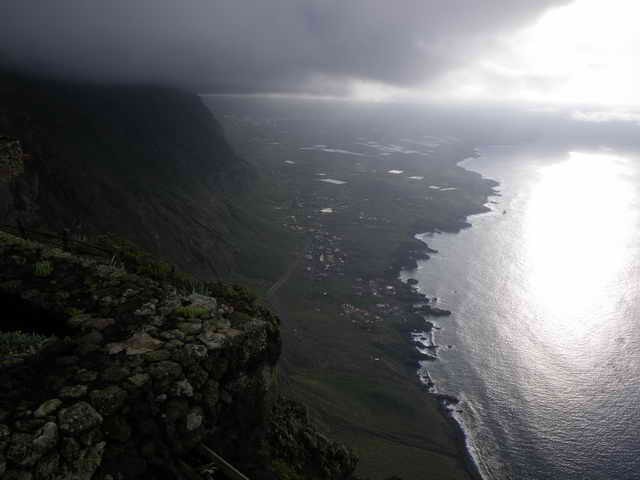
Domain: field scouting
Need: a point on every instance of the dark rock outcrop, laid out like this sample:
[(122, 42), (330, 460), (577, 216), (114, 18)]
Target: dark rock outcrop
[(138, 374), (298, 451)]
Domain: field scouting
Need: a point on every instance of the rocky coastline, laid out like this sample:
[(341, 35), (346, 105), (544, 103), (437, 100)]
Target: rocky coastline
[(423, 307), (420, 309)]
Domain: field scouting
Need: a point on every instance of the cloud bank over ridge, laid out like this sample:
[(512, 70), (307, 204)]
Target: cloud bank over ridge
[(303, 46)]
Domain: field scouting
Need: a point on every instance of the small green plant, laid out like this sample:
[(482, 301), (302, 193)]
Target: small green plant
[(17, 342), (42, 269), (72, 311), (284, 471), (192, 312), (199, 287), (154, 269)]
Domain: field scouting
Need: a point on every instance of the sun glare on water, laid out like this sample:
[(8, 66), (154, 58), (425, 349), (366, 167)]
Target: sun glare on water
[(579, 230)]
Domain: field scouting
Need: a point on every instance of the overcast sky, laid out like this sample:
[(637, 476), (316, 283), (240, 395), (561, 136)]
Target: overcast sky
[(534, 50)]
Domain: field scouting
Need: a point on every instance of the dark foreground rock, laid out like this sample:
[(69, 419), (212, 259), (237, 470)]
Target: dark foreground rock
[(137, 375), (299, 451), (432, 311)]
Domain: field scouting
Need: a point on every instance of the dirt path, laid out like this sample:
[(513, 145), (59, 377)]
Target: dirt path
[(273, 289)]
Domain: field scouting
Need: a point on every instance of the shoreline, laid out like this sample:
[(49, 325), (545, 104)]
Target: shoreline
[(461, 437), (415, 308), (446, 401)]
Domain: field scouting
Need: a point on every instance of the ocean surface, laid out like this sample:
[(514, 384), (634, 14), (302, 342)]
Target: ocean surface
[(545, 333)]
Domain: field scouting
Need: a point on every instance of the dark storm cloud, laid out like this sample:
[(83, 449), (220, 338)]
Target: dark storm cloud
[(254, 45)]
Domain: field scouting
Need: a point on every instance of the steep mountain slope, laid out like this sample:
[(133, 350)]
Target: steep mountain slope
[(150, 164)]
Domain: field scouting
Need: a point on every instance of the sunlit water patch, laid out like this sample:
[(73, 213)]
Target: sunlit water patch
[(545, 296), (578, 233)]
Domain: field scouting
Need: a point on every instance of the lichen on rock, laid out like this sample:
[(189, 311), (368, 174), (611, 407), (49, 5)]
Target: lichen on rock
[(78, 418)]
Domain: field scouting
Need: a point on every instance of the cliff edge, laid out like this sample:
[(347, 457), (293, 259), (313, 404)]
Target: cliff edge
[(124, 375)]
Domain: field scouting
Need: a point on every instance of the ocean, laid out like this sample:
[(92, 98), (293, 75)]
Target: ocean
[(545, 331)]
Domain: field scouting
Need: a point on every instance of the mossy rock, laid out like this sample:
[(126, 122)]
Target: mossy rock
[(42, 269), (192, 311), (20, 343)]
